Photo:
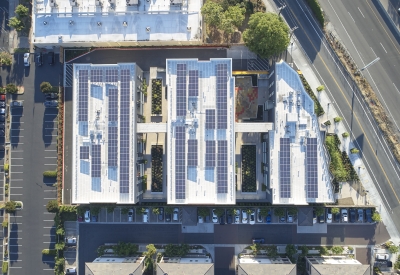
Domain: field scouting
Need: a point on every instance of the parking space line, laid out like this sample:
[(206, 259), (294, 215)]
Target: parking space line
[(50, 242), (15, 186), (51, 164), (17, 165), (17, 122), (16, 194), (48, 227), (16, 172), (49, 198), (16, 180), (48, 262), (49, 158), (48, 213), (16, 129), (50, 150), (18, 231), (54, 128), (48, 269), (16, 223), (48, 220), (15, 238), (50, 121), (17, 216), (50, 191), (50, 135), (17, 151), (17, 158), (16, 136), (15, 245), (18, 143), (49, 235), (14, 266)]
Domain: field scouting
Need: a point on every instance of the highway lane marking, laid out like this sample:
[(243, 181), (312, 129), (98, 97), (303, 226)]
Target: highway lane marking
[(383, 48), (351, 17), (361, 12), (396, 88), (356, 117)]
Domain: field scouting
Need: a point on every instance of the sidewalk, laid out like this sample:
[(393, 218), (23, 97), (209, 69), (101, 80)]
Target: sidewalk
[(302, 62)]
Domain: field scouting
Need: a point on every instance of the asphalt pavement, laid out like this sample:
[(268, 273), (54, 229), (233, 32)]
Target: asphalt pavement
[(348, 103), (33, 150)]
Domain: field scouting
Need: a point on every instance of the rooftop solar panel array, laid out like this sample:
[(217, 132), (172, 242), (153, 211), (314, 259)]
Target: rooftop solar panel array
[(113, 104), (96, 160), (180, 166), (84, 152), (194, 83), (192, 152), (210, 153), (83, 94), (112, 75), (222, 106), (222, 167), (312, 168), (210, 119), (124, 132), (96, 75), (181, 90), (284, 167), (112, 146)]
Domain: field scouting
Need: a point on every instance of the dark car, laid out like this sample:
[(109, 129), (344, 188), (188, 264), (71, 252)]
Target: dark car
[(2, 133), (2, 118), (282, 219), (50, 58), (2, 104), (39, 59), (94, 218), (258, 240), (207, 218), (222, 219), (229, 218), (2, 125), (321, 218), (161, 215), (368, 215), (268, 217), (168, 217), (337, 217), (352, 215), (51, 103)]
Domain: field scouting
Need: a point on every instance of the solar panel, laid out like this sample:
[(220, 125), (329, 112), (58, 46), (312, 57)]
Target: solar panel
[(124, 132), (180, 166), (194, 83), (96, 160), (210, 153), (181, 90), (210, 119), (112, 104), (96, 75), (284, 167), (312, 168), (112, 146), (221, 93), (192, 152), (222, 167), (111, 75), (84, 152), (83, 93)]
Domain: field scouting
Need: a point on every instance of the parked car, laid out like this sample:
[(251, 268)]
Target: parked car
[(70, 270), (382, 257), (352, 215), (50, 58), (175, 215), (268, 217), (344, 215), (2, 104), (329, 215), (80, 218), (2, 97), (168, 217), (321, 218), (337, 217), (368, 215), (70, 241), (2, 111), (360, 215), (2, 133), (207, 219), (26, 60), (289, 218), (2, 125), (146, 215), (228, 217), (314, 220), (130, 215), (200, 218), (252, 217), (259, 217), (39, 59), (214, 216), (87, 216), (222, 219), (244, 216), (51, 103), (258, 240), (94, 218), (51, 96), (161, 215), (282, 219), (17, 103), (237, 216)]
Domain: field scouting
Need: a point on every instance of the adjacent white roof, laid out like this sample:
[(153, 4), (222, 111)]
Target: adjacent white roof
[(255, 127), (200, 131), (299, 173), (99, 22), (104, 143)]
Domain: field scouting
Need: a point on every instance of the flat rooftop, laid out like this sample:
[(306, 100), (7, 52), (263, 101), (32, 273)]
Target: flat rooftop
[(299, 173), (98, 22), (104, 145), (200, 131)]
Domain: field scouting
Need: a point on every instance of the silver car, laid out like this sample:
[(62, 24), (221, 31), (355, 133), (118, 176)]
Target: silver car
[(26, 60)]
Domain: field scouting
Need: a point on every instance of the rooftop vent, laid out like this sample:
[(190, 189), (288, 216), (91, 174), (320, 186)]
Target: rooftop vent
[(52, 3), (71, 22), (99, 23), (111, 1), (44, 22), (147, 29), (99, 3), (176, 2), (125, 24), (188, 29)]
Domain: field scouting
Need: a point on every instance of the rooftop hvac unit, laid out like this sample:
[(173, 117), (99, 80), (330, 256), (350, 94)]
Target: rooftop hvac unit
[(98, 3), (111, 1), (52, 3), (176, 2), (189, 29), (147, 29), (132, 2)]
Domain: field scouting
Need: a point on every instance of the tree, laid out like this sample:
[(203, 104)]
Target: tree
[(279, 211), (95, 210), (304, 250), (267, 34), (227, 26), (272, 251), (264, 211), (125, 210), (52, 206), (11, 88), (212, 13), (156, 210), (5, 58), (203, 211), (21, 11), (151, 250), (292, 210), (290, 250), (319, 211), (376, 217), (337, 250), (256, 248), (15, 23), (219, 212), (169, 210), (323, 250), (393, 249), (10, 206), (337, 119), (335, 210), (46, 87), (235, 14)]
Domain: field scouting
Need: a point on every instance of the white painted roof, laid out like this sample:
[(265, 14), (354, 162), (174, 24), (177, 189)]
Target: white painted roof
[(152, 127), (255, 127)]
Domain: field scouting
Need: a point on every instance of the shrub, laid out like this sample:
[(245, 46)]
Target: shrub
[(50, 174), (50, 252), (6, 167), (320, 88), (337, 250), (327, 123), (21, 11), (10, 206), (318, 110), (60, 245), (376, 217), (335, 210), (354, 151), (125, 210), (292, 210), (169, 210), (350, 248), (11, 88), (52, 206), (6, 60), (110, 208), (345, 135), (5, 224), (337, 119), (323, 250), (279, 211), (249, 177), (203, 211), (46, 87), (319, 211), (263, 187), (393, 249), (15, 23), (4, 267), (156, 168)]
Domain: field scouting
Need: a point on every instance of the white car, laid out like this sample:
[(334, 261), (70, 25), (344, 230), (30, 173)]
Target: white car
[(344, 215), (70, 240), (244, 216), (130, 215), (70, 270), (17, 103), (237, 216), (26, 60), (146, 215), (87, 216), (201, 219), (252, 217), (289, 218), (215, 217), (259, 217), (329, 218), (382, 257)]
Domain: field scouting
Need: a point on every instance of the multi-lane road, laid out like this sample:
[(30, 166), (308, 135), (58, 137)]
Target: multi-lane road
[(364, 132)]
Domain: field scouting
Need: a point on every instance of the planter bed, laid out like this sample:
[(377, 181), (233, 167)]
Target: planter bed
[(156, 96), (249, 178), (156, 168)]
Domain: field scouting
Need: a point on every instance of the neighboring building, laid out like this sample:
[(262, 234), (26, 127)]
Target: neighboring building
[(116, 23), (299, 169), (201, 132), (187, 265), (336, 265), (264, 265), (105, 146), (111, 265)]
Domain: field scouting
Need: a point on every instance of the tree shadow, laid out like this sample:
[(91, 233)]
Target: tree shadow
[(50, 114), (16, 115)]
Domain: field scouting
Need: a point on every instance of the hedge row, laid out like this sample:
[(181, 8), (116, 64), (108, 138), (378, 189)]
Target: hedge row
[(316, 9), (318, 110), (51, 252), (51, 174)]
